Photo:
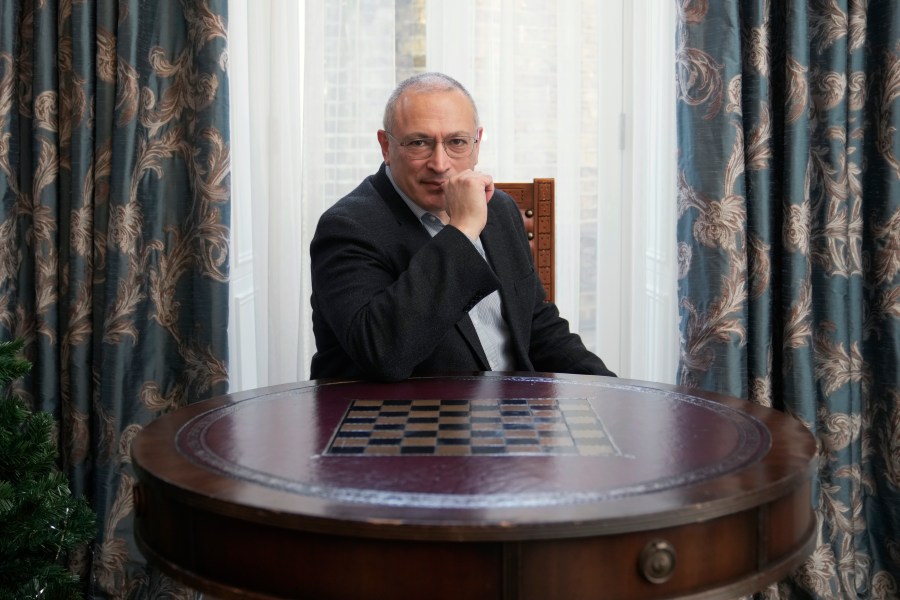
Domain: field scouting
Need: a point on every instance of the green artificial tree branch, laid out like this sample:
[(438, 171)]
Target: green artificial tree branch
[(41, 522)]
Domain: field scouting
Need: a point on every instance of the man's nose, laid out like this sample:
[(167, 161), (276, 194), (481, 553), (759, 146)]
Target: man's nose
[(439, 160)]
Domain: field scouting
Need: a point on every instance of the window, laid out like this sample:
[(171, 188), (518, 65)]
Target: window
[(580, 91)]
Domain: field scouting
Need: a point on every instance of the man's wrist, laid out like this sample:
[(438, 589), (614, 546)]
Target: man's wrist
[(473, 233)]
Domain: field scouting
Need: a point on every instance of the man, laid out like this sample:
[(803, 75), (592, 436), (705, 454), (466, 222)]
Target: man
[(425, 268)]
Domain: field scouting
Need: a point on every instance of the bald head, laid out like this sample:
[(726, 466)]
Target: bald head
[(424, 83)]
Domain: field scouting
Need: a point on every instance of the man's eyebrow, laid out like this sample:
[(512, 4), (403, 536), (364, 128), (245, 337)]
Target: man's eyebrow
[(418, 135)]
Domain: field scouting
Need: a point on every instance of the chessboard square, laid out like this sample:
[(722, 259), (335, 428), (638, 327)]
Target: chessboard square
[(430, 412), (454, 402), (515, 413), (486, 425), (422, 426), (498, 442), (520, 434), (542, 402), (433, 419), (383, 420), (446, 434), (557, 442), (588, 434), (347, 450), (576, 409), (360, 416), (425, 402), (416, 441), (454, 423), (346, 442), (524, 441), (396, 402), (388, 435), (525, 449), (486, 419), (551, 428), (455, 427), (595, 450), (514, 400), (389, 427), (398, 414), (353, 432), (420, 433), (488, 450), (375, 441), (517, 426), (479, 403), (484, 414), (374, 404), (417, 449), (547, 415), (512, 420), (452, 442), (487, 432)]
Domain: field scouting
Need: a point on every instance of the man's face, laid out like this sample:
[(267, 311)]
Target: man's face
[(438, 116)]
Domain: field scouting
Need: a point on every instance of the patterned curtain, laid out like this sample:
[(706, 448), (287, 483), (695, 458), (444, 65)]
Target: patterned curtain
[(114, 183), (789, 251)]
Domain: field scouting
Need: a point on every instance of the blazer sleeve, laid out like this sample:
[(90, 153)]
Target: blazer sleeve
[(554, 348)]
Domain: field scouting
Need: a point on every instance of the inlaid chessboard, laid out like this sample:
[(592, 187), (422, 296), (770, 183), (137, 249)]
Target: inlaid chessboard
[(485, 427)]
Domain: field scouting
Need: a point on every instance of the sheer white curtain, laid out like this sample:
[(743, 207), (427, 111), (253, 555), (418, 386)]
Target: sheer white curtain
[(580, 91)]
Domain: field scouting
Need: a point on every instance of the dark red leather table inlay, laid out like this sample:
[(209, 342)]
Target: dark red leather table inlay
[(479, 486)]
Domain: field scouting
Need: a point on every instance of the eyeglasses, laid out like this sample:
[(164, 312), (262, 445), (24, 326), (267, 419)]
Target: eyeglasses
[(458, 146)]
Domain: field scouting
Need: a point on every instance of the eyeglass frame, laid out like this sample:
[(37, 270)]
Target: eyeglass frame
[(434, 143)]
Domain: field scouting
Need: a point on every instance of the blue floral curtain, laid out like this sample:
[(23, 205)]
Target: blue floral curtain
[(114, 184), (789, 250)]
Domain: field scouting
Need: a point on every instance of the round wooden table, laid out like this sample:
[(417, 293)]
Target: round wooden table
[(477, 486)]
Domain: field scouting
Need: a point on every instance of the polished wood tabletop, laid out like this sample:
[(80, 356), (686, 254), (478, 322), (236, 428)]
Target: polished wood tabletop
[(488, 485)]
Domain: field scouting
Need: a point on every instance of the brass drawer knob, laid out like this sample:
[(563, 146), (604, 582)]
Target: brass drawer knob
[(657, 561), (529, 213), (530, 235)]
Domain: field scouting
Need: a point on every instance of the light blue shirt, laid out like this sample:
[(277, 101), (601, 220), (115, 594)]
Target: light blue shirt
[(487, 316)]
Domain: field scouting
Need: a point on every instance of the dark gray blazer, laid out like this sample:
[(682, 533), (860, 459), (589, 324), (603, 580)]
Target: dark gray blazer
[(389, 301)]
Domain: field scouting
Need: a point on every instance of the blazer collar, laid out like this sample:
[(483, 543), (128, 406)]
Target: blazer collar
[(388, 193)]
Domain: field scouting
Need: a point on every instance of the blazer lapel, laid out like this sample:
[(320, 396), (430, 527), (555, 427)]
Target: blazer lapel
[(395, 203), (467, 329)]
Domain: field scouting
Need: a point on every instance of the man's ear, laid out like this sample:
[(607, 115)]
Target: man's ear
[(479, 134), (384, 142)]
